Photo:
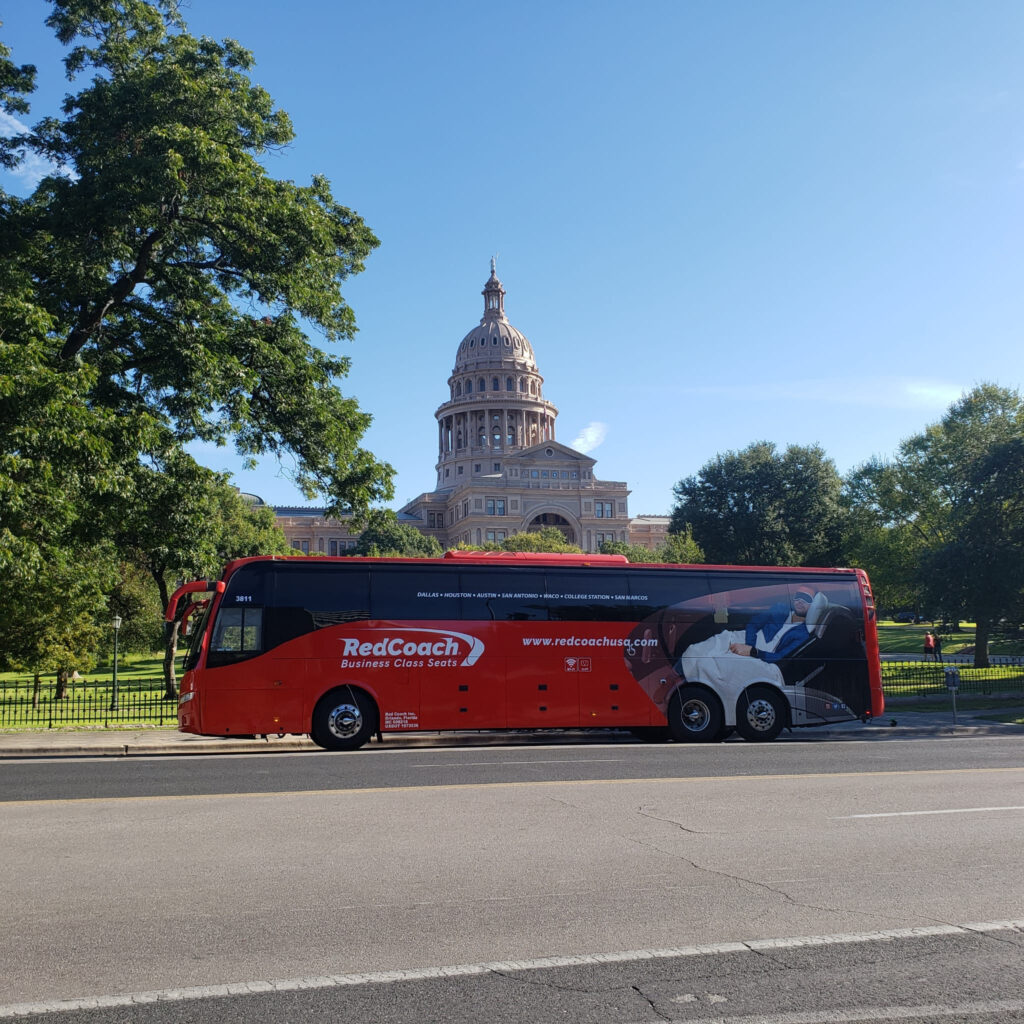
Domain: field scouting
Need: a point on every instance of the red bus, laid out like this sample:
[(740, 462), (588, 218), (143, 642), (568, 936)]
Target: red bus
[(346, 648)]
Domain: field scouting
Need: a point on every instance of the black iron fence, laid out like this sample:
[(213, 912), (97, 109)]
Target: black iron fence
[(139, 702), (928, 678)]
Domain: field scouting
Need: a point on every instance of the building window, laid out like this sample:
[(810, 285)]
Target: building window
[(458, 472), (603, 509), (495, 506), (476, 467), (482, 384), (469, 387), (522, 384), (510, 384), (497, 467), (465, 509), (496, 536)]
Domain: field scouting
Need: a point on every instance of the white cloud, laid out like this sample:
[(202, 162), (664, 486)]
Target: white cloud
[(10, 125), (590, 437), (32, 168)]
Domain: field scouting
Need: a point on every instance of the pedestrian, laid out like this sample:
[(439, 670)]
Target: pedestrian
[(929, 645), (938, 648)]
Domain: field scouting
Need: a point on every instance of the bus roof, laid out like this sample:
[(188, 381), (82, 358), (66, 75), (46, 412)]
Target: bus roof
[(538, 558)]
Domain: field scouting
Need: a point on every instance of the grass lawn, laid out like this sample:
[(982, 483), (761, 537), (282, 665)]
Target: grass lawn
[(131, 668), (902, 638)]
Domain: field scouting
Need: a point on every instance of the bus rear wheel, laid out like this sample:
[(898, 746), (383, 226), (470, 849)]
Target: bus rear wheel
[(761, 714), (344, 719), (695, 715)]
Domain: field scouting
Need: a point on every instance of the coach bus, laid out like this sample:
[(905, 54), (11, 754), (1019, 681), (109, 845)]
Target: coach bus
[(343, 649)]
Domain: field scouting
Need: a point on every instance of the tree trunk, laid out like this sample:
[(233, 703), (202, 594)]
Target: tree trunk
[(37, 686), (170, 653), (60, 692), (981, 631)]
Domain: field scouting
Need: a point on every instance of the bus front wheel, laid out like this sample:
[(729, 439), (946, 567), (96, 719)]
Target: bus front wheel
[(344, 719), (761, 714), (695, 715)]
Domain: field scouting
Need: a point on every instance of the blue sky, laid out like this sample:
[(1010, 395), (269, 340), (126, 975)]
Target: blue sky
[(716, 222)]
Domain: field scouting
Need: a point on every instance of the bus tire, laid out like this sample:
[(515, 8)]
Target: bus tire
[(762, 712), (695, 715), (344, 719)]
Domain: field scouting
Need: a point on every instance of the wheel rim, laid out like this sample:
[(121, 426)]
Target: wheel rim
[(696, 715), (761, 714), (345, 721)]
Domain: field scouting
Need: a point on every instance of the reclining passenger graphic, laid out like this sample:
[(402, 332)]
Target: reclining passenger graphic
[(742, 657)]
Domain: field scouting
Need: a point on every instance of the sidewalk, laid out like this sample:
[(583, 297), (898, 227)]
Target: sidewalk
[(899, 722)]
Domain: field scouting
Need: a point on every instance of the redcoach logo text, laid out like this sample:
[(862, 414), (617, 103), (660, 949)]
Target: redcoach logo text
[(410, 648)]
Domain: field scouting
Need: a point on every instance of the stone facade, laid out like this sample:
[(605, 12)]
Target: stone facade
[(500, 470)]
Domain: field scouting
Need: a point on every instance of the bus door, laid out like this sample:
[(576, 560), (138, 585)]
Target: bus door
[(247, 690)]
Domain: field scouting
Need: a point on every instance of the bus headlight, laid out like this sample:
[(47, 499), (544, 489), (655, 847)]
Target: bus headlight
[(186, 697)]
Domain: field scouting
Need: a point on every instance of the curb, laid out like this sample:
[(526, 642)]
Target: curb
[(171, 745)]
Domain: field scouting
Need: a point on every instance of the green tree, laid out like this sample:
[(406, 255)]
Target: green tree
[(136, 599), (385, 536), (681, 548), (164, 260), (955, 490), (185, 521), (547, 538), (760, 507), (678, 549), (632, 552), (55, 625)]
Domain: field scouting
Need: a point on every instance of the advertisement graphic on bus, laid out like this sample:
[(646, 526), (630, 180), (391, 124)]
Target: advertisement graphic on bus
[(346, 648)]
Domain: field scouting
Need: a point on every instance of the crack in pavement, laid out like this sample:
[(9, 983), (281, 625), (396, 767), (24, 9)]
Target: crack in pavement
[(650, 1003)]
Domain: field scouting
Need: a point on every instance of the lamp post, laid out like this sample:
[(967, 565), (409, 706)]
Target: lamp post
[(113, 696)]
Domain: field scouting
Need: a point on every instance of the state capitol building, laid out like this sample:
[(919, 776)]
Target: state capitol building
[(500, 470)]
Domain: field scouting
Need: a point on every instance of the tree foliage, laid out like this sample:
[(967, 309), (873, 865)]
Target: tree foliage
[(547, 538), (761, 507), (677, 549), (155, 290), (952, 496), (167, 261), (385, 536), (185, 521)]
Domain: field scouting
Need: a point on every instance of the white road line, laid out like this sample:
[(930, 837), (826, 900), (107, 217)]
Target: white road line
[(910, 814), (873, 1013), (175, 995)]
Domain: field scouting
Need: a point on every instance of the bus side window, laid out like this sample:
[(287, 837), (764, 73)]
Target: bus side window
[(238, 631)]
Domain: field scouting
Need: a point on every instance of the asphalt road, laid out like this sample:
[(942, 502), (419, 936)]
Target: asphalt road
[(314, 884)]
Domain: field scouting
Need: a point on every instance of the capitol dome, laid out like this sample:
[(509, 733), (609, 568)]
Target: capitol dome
[(494, 342), (496, 404)]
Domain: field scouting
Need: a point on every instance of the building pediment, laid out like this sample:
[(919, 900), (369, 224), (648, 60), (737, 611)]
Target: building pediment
[(550, 451)]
